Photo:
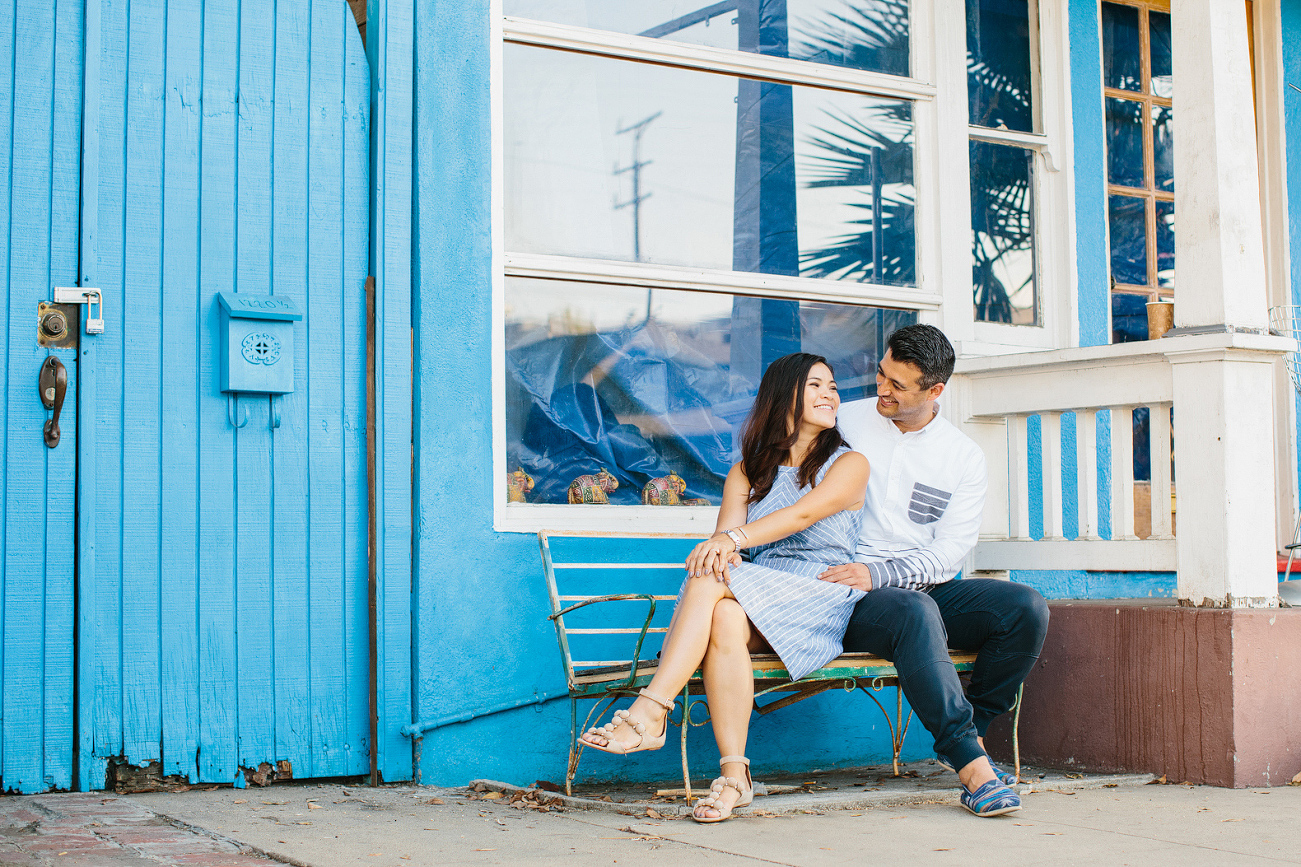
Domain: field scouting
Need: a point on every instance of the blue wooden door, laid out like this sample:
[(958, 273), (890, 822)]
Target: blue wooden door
[(222, 611), (40, 137)]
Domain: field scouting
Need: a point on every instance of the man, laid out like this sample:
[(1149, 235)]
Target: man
[(920, 520)]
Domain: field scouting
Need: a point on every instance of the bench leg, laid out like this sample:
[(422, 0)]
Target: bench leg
[(1016, 729), (573, 747), (686, 770)]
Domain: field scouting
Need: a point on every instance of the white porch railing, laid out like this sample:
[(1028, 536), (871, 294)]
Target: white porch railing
[(993, 400)]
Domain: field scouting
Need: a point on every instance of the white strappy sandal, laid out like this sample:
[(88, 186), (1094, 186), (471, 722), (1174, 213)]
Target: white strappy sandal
[(621, 717), (746, 792)]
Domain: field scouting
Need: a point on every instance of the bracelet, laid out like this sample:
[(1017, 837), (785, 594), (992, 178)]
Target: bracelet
[(737, 536)]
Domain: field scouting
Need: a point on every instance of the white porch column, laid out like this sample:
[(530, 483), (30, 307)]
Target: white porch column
[(1223, 425)]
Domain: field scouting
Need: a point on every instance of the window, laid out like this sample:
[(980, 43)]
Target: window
[(1138, 89), (690, 190), (1002, 44)]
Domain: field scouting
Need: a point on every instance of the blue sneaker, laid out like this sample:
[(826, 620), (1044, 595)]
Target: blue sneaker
[(1003, 776), (991, 799)]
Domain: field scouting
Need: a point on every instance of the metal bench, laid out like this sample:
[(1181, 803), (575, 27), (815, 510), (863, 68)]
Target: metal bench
[(610, 631)]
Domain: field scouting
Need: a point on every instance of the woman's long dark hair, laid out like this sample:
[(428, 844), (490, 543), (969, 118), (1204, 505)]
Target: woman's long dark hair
[(765, 440)]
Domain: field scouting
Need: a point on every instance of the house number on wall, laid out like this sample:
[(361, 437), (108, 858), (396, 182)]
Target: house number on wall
[(261, 348)]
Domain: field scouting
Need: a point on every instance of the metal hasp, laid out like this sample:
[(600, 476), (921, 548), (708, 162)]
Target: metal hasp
[(257, 342), (53, 384), (92, 298)]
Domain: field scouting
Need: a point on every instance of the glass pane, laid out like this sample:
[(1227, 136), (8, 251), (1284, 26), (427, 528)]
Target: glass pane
[(1125, 142), (1163, 146), (1127, 219), (998, 64), (1165, 243), (1002, 234), (1121, 47), (1128, 317), (1162, 69), (859, 34), (610, 159), (647, 383)]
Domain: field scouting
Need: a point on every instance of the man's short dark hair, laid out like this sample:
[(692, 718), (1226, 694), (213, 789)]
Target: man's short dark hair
[(926, 348)]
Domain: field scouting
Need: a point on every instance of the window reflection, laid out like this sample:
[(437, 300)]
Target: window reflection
[(647, 383), (859, 34), (611, 159), (1124, 142), (1165, 243), (1162, 69), (1121, 47), (1002, 234), (1163, 146), (1127, 218), (999, 83)]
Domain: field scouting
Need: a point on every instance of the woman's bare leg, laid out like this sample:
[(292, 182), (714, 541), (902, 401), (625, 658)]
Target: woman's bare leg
[(684, 648), (729, 685)]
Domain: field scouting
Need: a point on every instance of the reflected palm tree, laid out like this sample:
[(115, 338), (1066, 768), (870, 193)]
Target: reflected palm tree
[(876, 151)]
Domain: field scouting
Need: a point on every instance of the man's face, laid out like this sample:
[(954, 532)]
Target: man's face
[(900, 397)]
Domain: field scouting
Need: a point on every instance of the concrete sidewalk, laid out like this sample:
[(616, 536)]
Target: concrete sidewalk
[(1078, 821)]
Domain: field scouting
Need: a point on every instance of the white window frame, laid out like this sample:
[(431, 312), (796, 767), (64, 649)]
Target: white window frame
[(942, 295)]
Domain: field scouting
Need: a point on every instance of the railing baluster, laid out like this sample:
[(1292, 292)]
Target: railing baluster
[(1051, 444), (1160, 452), (1122, 472), (1018, 478), (1086, 462)]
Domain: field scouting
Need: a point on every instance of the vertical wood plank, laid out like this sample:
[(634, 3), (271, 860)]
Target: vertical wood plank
[(65, 164), (1159, 415), (332, 589), (291, 462), (144, 361), (1052, 475), (355, 184), (390, 30), (1122, 473), (1018, 480), (255, 620), (183, 314), (7, 36), (219, 693), (1086, 444)]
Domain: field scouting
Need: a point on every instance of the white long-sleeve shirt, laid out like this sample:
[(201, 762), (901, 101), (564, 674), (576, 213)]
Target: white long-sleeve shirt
[(925, 496)]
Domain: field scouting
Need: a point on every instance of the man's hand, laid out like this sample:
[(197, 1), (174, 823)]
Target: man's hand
[(851, 575)]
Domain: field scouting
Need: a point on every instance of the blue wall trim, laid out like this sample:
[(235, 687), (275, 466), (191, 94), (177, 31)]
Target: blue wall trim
[(1089, 165), (1291, 20)]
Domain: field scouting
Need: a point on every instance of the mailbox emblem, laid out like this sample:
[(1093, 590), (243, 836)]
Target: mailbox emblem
[(261, 348)]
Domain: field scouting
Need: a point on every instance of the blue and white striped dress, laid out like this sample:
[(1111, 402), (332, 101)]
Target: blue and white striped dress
[(802, 617)]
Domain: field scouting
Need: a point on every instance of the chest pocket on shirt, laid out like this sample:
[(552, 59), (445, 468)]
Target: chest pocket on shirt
[(927, 504)]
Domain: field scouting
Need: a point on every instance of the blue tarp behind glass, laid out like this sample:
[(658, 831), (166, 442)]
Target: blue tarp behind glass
[(645, 383), (859, 34), (999, 79)]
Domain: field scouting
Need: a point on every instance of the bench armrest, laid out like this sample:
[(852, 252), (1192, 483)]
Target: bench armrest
[(641, 637)]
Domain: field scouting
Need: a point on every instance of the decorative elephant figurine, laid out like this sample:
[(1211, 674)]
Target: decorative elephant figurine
[(592, 489), (664, 491), (518, 484)]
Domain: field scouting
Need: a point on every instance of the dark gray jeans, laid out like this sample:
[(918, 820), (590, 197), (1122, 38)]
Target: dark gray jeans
[(1003, 622)]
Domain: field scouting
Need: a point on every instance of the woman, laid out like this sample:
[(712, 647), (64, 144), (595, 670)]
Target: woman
[(793, 503)]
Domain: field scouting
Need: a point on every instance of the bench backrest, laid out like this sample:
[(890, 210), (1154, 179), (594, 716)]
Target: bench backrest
[(601, 590)]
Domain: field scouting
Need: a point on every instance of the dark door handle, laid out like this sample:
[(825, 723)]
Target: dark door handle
[(53, 385)]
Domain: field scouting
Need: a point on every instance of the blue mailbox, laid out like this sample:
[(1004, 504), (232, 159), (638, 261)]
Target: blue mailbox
[(257, 342)]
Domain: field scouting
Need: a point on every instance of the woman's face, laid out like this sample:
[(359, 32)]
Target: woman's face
[(821, 400)]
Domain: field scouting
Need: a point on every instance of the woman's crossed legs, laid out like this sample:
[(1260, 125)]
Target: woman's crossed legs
[(710, 627)]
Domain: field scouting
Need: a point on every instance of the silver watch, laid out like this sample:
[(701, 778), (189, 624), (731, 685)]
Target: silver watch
[(737, 538)]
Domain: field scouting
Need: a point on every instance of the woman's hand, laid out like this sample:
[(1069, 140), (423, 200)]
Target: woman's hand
[(712, 557)]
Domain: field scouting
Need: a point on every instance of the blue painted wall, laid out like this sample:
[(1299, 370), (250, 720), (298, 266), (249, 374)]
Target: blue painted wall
[(1291, 20), (1089, 165)]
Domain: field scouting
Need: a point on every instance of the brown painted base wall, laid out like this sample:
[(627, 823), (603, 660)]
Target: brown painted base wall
[(1204, 695)]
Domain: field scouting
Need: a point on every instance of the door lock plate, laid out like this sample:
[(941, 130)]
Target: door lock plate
[(57, 325)]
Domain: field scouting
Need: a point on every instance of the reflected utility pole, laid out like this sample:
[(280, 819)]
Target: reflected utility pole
[(637, 129)]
